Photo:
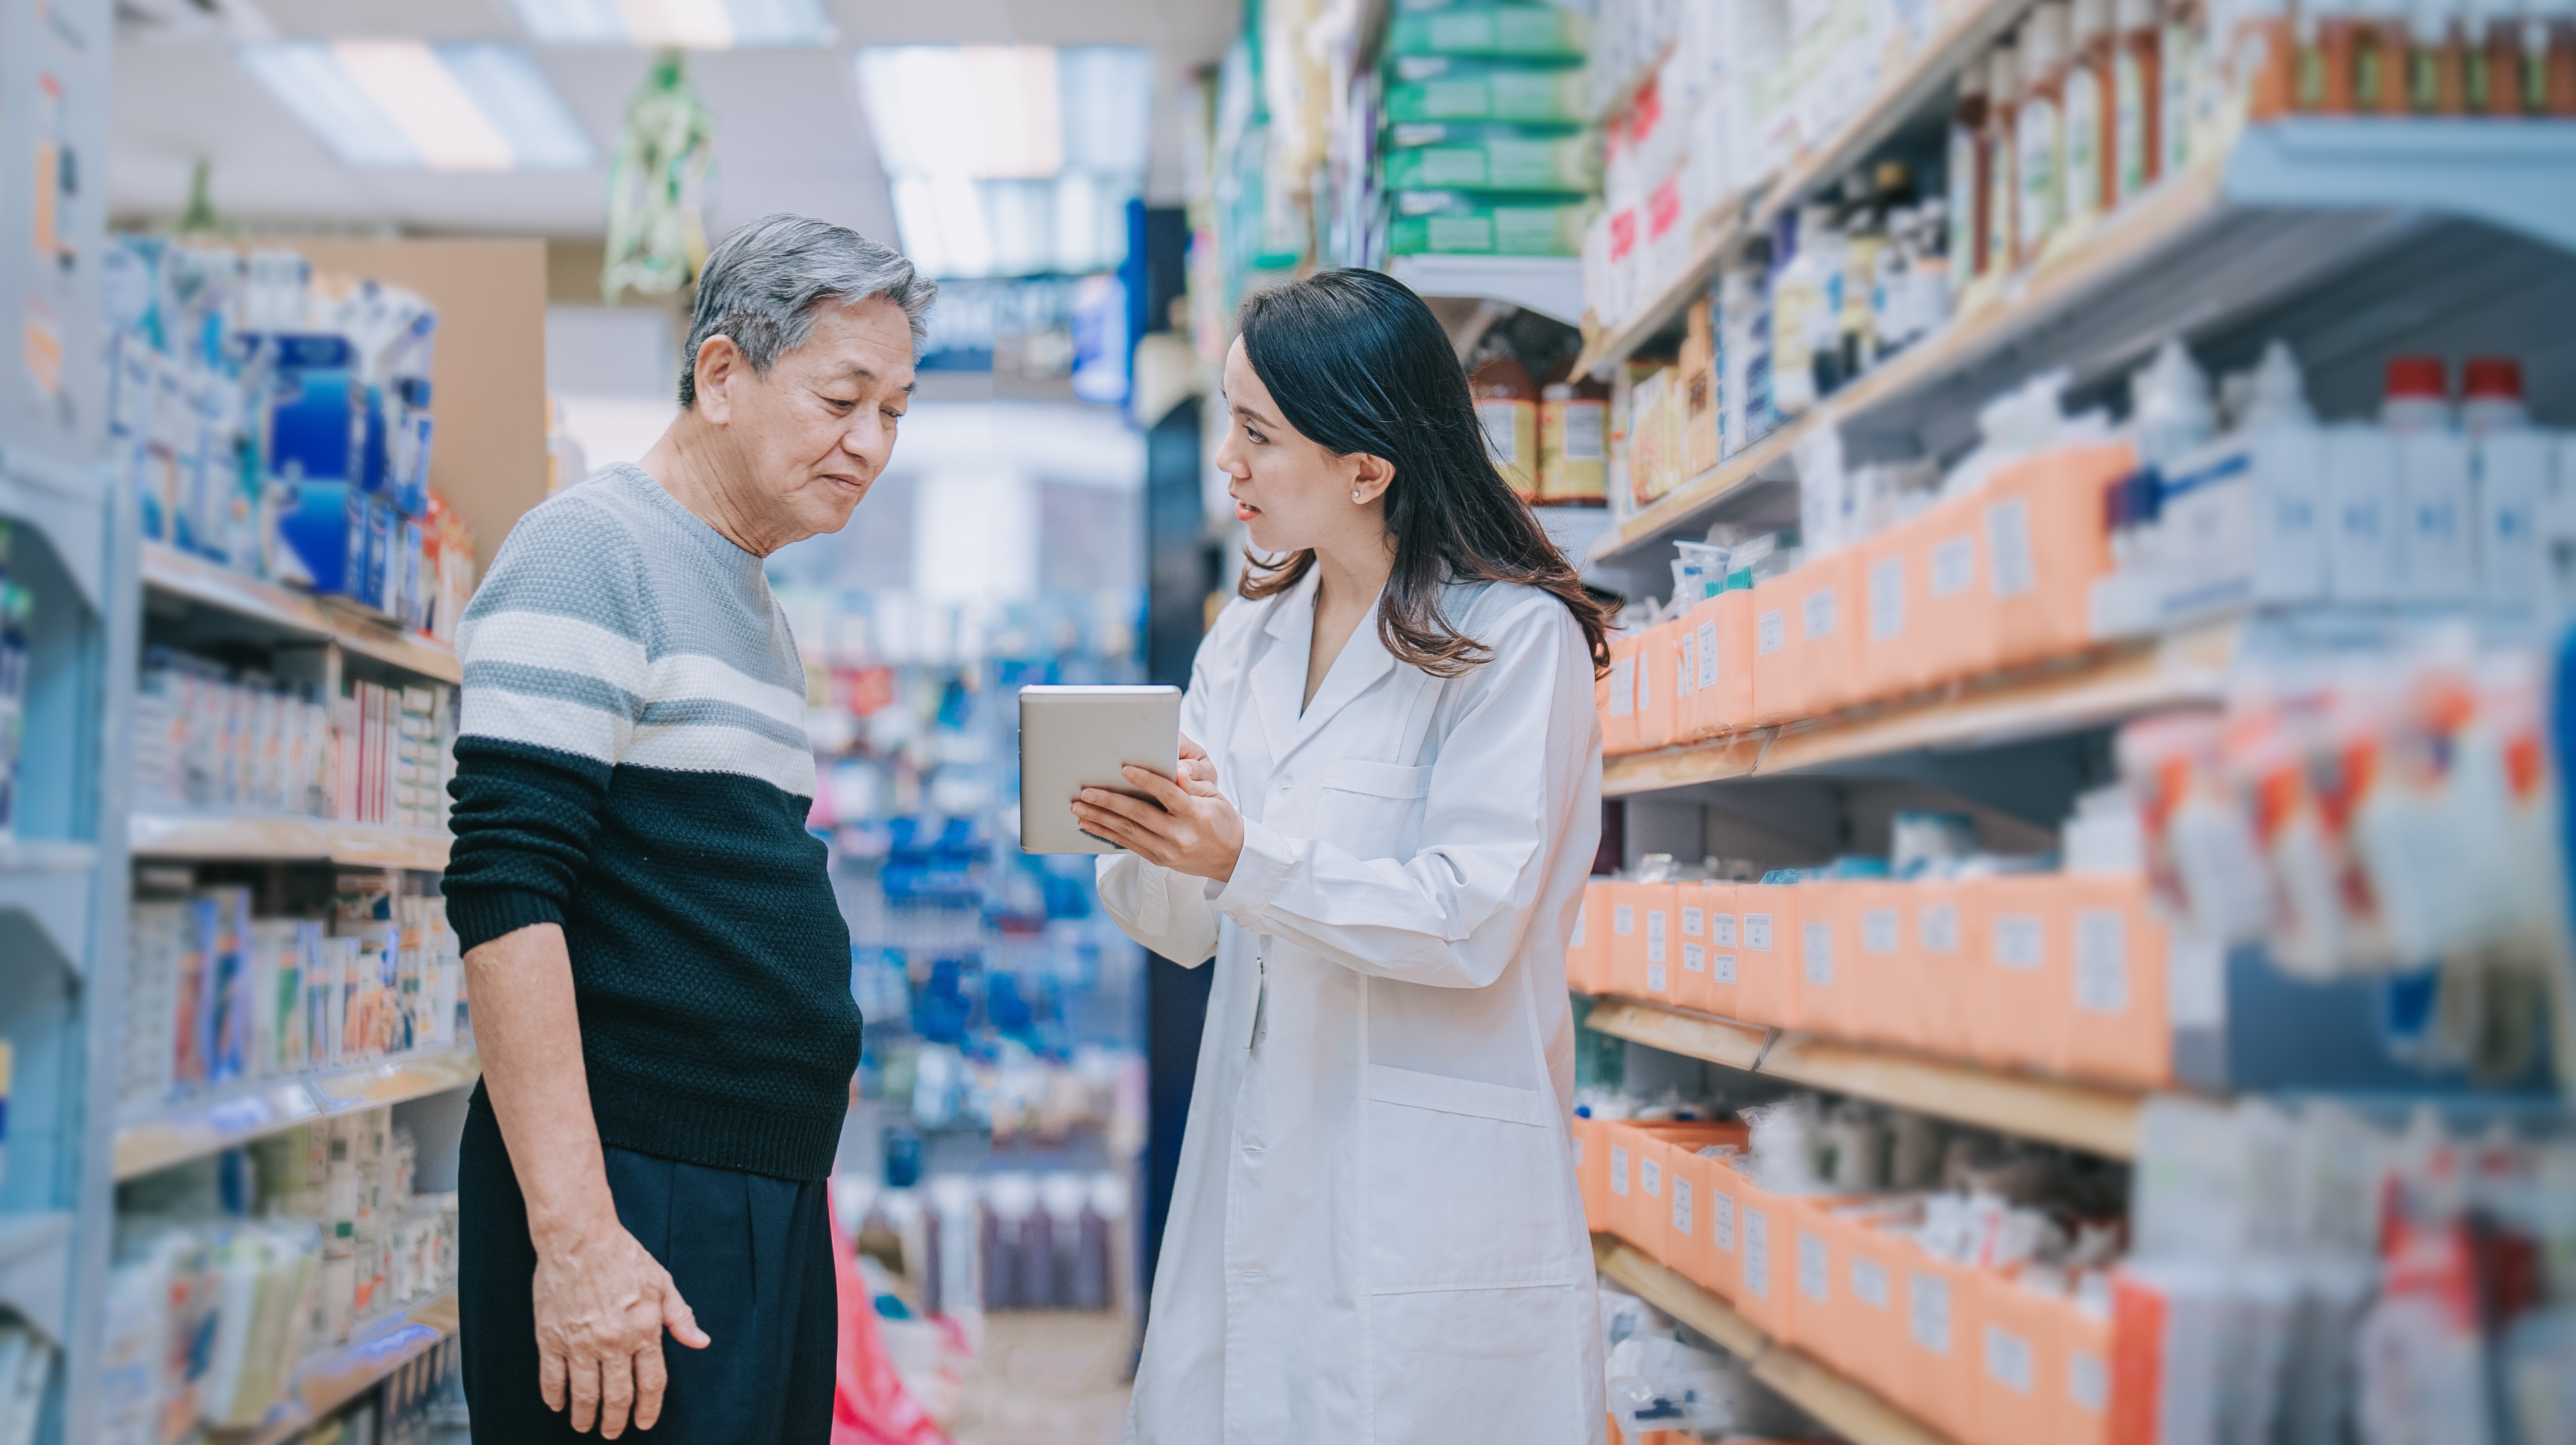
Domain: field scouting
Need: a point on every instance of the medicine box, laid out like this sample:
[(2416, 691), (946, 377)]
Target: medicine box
[(1722, 647), (1767, 932)]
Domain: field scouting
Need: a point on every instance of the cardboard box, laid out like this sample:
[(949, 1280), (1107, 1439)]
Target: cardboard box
[(1764, 1270), (1616, 692), (2046, 545), (1868, 1340), (1659, 956), (1954, 626), (1725, 923), (1938, 997), (1937, 1381), (1691, 988), (1778, 694), (1721, 1192), (1587, 950), (1893, 658), (1591, 1169), (1722, 646), (1767, 930), (1876, 964), (2081, 1413), (2116, 1026), (1826, 630), (1626, 973), (2019, 996), (2021, 1362), (1820, 993), (1657, 716)]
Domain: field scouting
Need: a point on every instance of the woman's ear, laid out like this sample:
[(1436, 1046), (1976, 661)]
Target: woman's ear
[(1370, 477)]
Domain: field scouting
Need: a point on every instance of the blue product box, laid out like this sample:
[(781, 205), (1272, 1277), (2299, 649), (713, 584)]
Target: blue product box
[(316, 425), (322, 536), (409, 550)]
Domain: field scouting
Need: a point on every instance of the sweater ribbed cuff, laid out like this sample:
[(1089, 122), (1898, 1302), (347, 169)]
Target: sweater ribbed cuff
[(479, 915)]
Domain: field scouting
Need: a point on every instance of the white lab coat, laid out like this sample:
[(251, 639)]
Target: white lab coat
[(1376, 1234)]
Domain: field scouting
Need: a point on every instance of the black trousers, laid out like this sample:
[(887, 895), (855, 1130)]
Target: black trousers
[(752, 1256)]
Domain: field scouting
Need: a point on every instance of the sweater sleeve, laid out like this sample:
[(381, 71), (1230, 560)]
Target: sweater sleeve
[(555, 675)]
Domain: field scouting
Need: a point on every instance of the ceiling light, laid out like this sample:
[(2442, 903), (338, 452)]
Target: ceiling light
[(401, 104), (688, 24)]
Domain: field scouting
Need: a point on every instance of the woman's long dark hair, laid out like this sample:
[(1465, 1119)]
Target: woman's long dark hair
[(1359, 365)]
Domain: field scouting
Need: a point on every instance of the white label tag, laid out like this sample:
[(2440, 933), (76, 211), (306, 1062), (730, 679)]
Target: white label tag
[(2020, 941), (1654, 935), (2088, 1382), (1645, 682), (1757, 932), (1721, 967), (1694, 958), (1721, 930), (1927, 1314), (1937, 928), (1757, 1252), (2008, 1359), (1954, 566), (1707, 655), (1654, 978), (1887, 599), (1815, 1271), (1623, 687), (1619, 1170), (1878, 930), (1816, 948), (1721, 1221), (1770, 632), (1681, 1206), (1623, 919), (1869, 1282), (2008, 544), (1694, 922), (2101, 961), (1816, 614), (1650, 1173), (1686, 676)]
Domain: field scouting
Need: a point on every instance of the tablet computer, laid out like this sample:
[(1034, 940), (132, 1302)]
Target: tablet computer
[(1072, 738)]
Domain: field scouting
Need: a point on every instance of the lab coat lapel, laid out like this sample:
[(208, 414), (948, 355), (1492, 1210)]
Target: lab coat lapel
[(1279, 673), (1363, 660)]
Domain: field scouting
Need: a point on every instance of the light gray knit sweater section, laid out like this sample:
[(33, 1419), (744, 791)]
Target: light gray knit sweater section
[(618, 626)]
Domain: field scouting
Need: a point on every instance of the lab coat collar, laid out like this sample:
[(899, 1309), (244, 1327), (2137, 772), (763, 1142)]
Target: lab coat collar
[(1279, 679)]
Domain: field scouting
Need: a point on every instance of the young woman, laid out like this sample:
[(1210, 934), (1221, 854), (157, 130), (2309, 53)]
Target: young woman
[(1375, 1234)]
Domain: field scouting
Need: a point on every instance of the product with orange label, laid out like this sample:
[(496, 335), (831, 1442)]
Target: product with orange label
[(1507, 408), (1573, 444), (2046, 545)]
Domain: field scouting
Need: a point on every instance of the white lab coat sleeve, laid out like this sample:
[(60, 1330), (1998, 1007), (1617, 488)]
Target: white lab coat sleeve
[(1508, 771), (1165, 911)]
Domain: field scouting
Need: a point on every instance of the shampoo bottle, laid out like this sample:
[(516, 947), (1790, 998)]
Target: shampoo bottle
[(2135, 151), (2003, 97), (2039, 132), (1968, 174), (2088, 114)]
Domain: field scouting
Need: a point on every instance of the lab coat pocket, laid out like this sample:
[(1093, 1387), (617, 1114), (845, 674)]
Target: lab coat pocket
[(1374, 810), (1464, 1186)]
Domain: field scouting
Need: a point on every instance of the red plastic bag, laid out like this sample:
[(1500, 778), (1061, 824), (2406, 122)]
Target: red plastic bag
[(869, 1403)]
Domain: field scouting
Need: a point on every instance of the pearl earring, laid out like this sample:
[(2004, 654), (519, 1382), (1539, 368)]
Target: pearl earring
[(1356, 497)]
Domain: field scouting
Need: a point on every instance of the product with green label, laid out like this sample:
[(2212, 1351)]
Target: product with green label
[(1468, 223), (1440, 87), (1519, 32), (1430, 155)]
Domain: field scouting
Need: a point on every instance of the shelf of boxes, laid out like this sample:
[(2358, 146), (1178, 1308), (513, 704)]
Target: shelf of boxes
[(2092, 689), (168, 570), (372, 1356), (2293, 202), (210, 837), (1549, 285), (33, 879), (2091, 1117), (35, 1269), (1852, 1411), (205, 1126)]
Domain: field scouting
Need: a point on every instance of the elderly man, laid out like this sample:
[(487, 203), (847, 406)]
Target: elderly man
[(660, 974)]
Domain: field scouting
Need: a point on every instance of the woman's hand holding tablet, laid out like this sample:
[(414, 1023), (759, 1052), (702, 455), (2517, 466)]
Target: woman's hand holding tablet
[(1183, 824)]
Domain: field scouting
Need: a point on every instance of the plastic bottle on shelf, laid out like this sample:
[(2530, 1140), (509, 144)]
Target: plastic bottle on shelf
[(2436, 78), (2325, 44), (2039, 135), (2380, 41), (2261, 59), (2169, 405), (2416, 396), (2087, 99), (1801, 306), (2549, 57), (2178, 61), (2510, 462), (1968, 174), (1573, 431), (2491, 59), (2003, 98), (2435, 512), (2135, 151), (1507, 406)]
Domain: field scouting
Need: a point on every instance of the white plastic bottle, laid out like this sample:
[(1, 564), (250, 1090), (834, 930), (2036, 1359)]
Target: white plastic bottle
[(2285, 457), (2039, 132), (2510, 466), (2437, 557), (2169, 405)]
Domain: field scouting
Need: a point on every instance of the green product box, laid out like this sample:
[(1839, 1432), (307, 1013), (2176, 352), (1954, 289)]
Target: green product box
[(1519, 32), (1460, 223), (1440, 87), (1430, 156)]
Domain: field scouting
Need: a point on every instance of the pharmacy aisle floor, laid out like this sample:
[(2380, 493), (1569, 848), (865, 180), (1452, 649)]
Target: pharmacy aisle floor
[(1049, 1378)]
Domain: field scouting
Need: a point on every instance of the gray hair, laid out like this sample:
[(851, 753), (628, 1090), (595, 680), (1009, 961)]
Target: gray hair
[(762, 283)]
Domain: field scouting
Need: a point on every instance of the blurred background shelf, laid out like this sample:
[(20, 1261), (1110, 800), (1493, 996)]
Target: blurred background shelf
[(2096, 1118), (36, 1267), (210, 836), (176, 574), (199, 1127), (374, 1353)]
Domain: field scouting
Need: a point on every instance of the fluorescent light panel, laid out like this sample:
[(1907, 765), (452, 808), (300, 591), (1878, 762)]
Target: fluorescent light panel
[(400, 104), (687, 24)]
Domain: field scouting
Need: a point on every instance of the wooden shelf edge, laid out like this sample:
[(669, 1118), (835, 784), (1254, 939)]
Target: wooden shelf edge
[(2097, 1118), (1677, 508), (2112, 682), (207, 1126), (373, 1355), (210, 584), (1851, 1410), (284, 837)]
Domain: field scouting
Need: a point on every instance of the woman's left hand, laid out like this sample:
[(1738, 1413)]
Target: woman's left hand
[(1174, 827)]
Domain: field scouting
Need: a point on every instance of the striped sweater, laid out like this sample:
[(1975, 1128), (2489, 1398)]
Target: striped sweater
[(633, 766)]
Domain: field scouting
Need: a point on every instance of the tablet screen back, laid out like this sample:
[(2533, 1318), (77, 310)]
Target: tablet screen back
[(1072, 738)]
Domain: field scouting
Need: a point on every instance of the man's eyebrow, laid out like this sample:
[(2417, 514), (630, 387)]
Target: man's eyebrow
[(863, 374)]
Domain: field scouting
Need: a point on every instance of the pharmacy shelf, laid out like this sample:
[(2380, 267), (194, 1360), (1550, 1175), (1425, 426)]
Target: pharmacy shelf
[(66, 504), (174, 573), (1549, 285), (48, 883), (374, 1354), (212, 836), (1683, 510), (2099, 1119), (206, 1126), (35, 1269), (1851, 1411), (2107, 685)]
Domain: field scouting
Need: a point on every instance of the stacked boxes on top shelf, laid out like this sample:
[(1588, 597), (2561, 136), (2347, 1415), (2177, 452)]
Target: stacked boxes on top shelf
[(278, 422), (1487, 146)]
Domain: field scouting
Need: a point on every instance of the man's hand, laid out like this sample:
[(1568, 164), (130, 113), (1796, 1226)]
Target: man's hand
[(1186, 826), (601, 1306)]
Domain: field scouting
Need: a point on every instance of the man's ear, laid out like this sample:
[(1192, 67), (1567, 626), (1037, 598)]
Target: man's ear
[(719, 364)]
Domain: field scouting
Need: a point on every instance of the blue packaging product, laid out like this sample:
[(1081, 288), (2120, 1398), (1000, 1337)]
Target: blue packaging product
[(407, 552), (383, 573), (322, 535), (316, 411)]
